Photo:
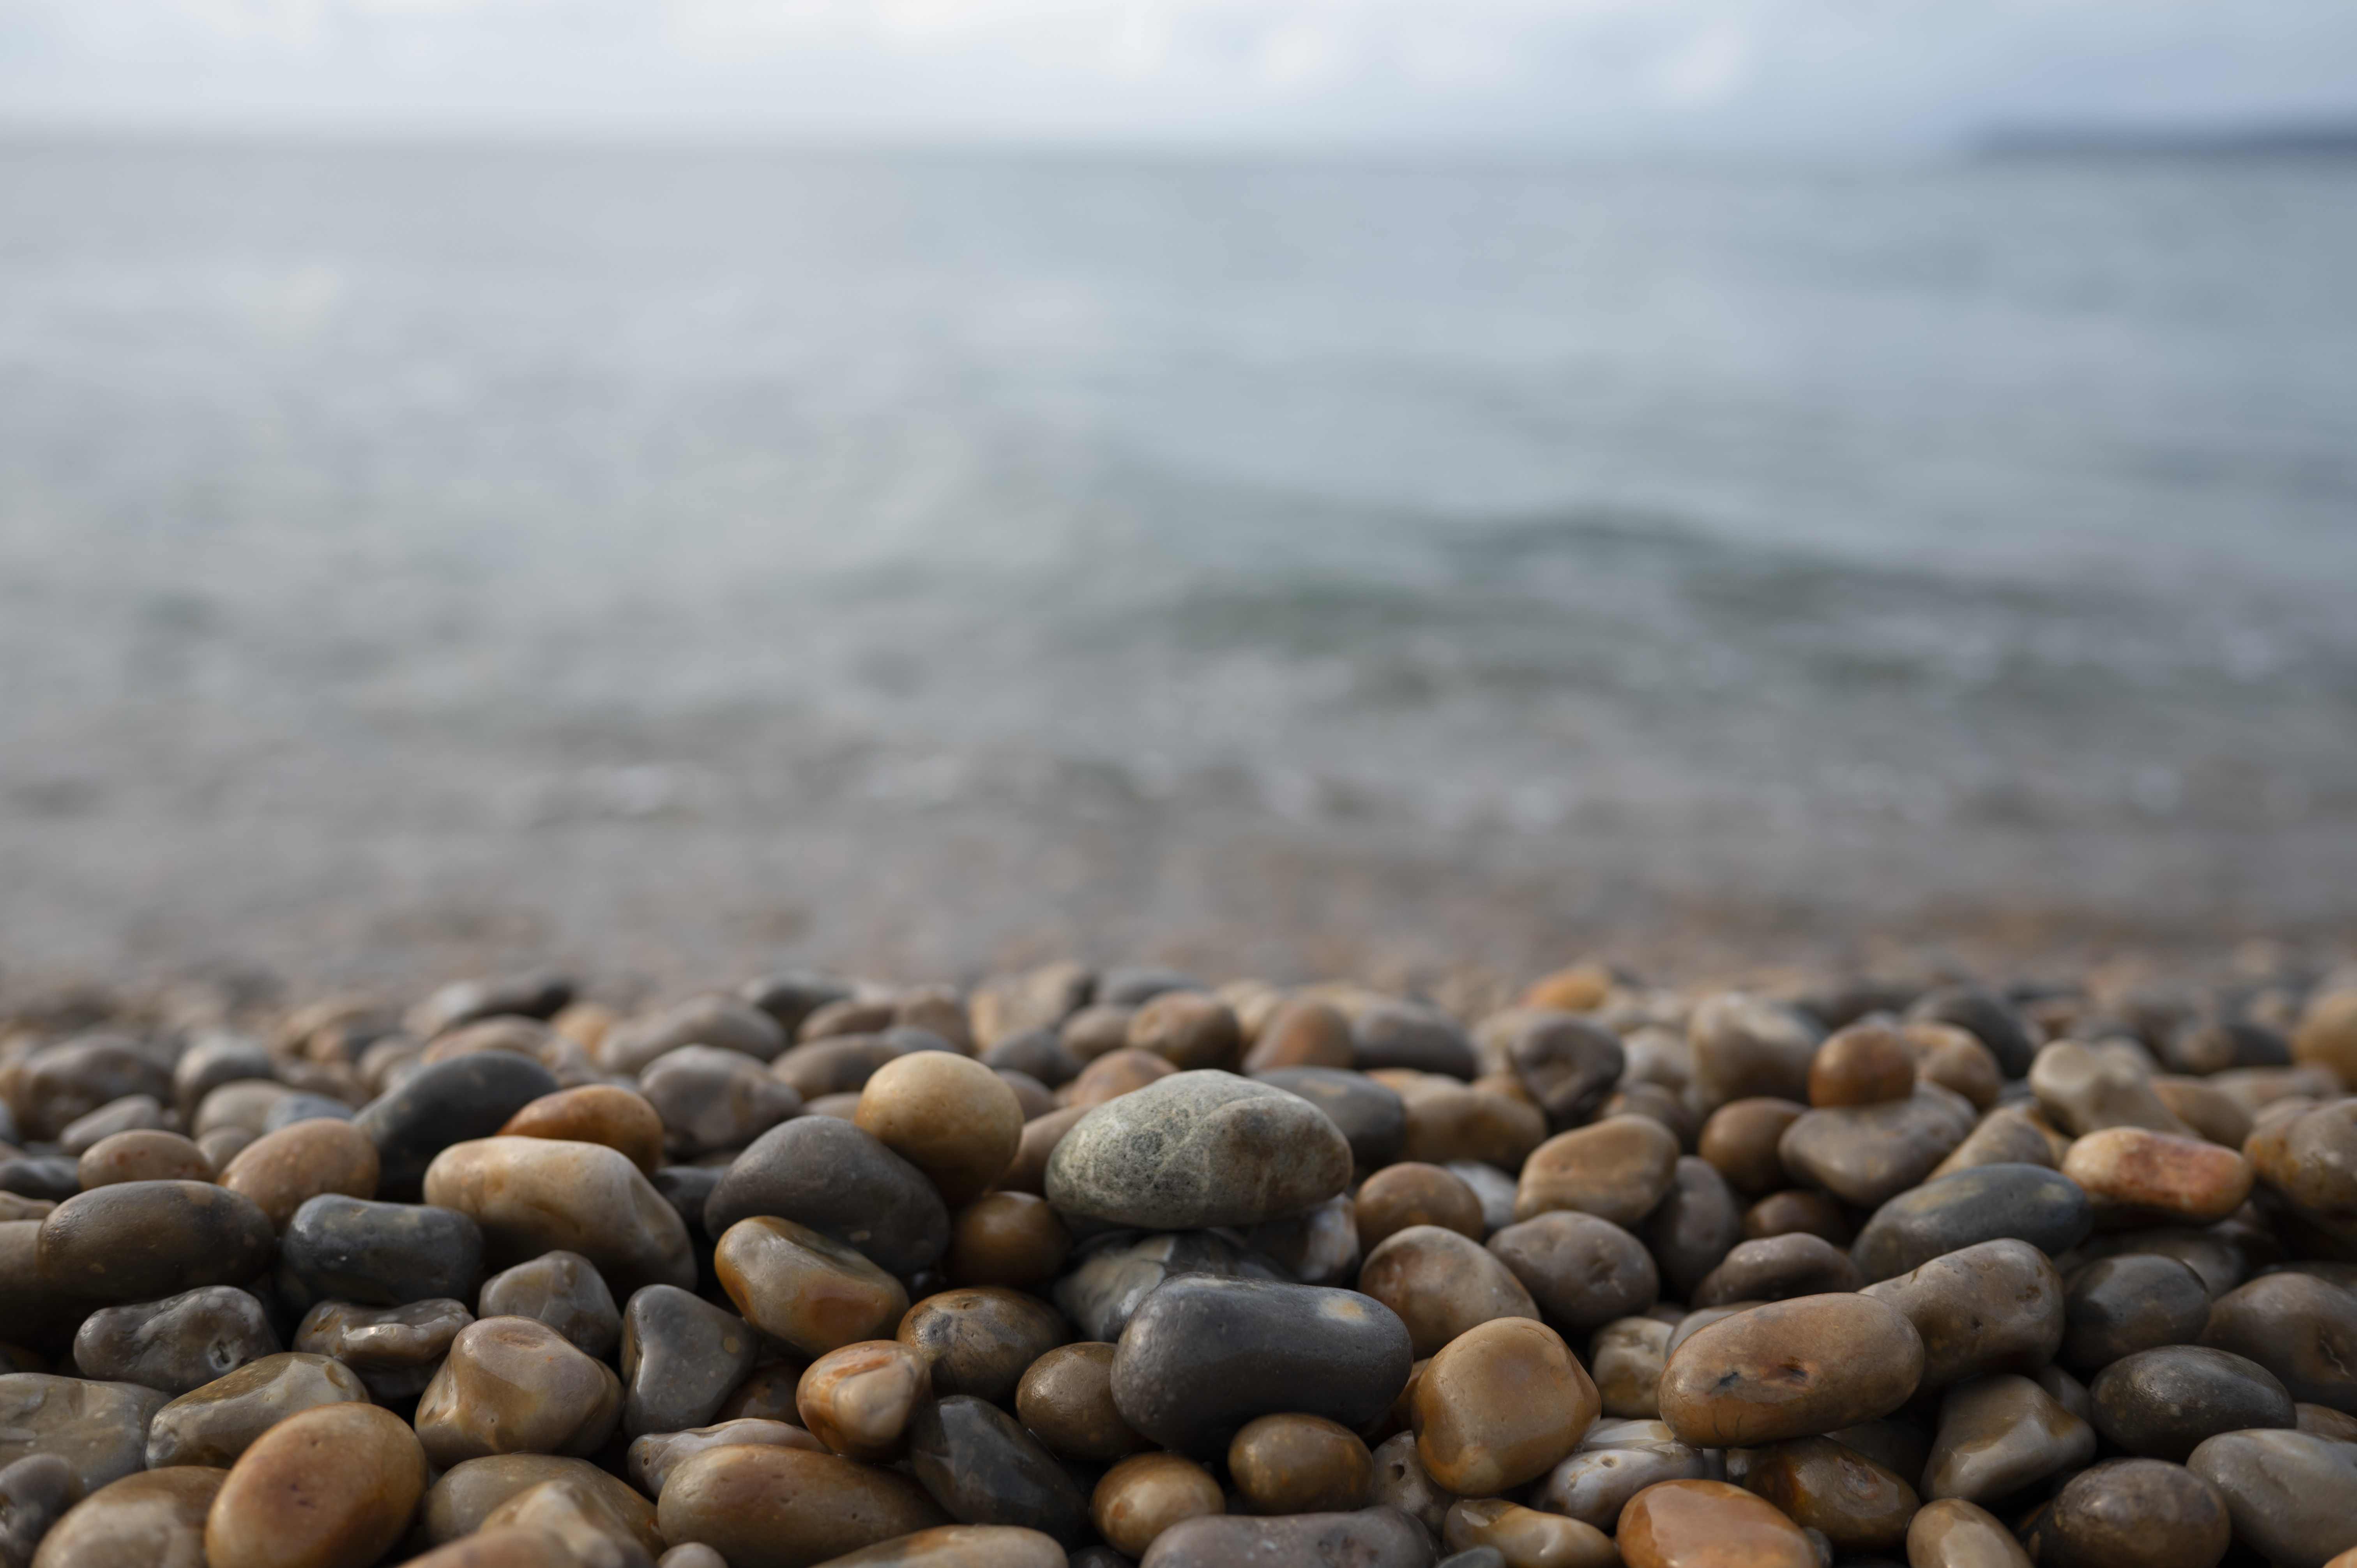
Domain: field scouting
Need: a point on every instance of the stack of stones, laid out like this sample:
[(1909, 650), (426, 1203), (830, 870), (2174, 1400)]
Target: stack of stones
[(1103, 1268)]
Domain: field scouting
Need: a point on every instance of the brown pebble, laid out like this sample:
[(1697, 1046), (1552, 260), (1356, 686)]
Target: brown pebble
[(1820, 1485), (980, 1341), (1113, 1075), (948, 1116), (1791, 1368), (140, 1240), (1525, 1537), (2301, 1328), (596, 1113), (326, 1488), (533, 1195), (2327, 1036), (1796, 1212), (1998, 1434), (1581, 1271), (1500, 1405), (1414, 1193), (950, 1546), (653, 1456), (1302, 1033), (2005, 1136), (1065, 1397), (1954, 1534), (1007, 1239), (857, 1400), (577, 1515), (1777, 1268), (1864, 1064), (785, 1507), (767, 1395), (1146, 1494), (1955, 1058), (2308, 1159), (281, 1171), (1617, 1169), (1448, 1121), (469, 1493), (395, 1349), (141, 1155), (515, 1385), (2132, 1513), (1626, 1359), (2138, 1177), (1708, 1524), (1191, 1030), (2209, 1111), (1299, 1464), (1442, 1284), (215, 1423), (1028, 1171), (804, 1288), (1994, 1306), (152, 1519), (1740, 1140)]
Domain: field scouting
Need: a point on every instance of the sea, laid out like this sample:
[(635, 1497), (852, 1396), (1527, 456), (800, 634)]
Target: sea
[(675, 563)]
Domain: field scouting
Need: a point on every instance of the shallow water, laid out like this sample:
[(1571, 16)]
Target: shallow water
[(674, 562)]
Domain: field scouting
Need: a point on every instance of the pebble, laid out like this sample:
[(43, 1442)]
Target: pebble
[(1775, 1268), (377, 1254), (804, 1288), (1694, 1227), (1320, 1247), (2160, 1403), (1198, 1149), (1441, 1285), (1388, 1034), (2292, 1496), (1791, 1368), (1994, 1306), (1204, 1355), (1113, 1075), (1618, 1169), (53, 1178), (100, 1429), (455, 1102), (138, 1240), (1500, 1406), (709, 1099), (2327, 1034), (155, 1519), (858, 1400), (1741, 1141), (768, 1394), (34, 1493), (1189, 1029), (178, 1344), (1999, 1433), (396, 1351), (2211, 1112), (470, 1492), (652, 1457), (681, 1356), (142, 1155), (1708, 1524), (832, 1067), (1144, 1495), (2302, 1329), (1525, 1538), (838, 1180), (1373, 1117), (533, 1195), (1955, 1058), (596, 1113), (244, 1104), (1400, 1482), (1582, 1271), (1868, 1154), (1099, 1293), (214, 1424), (1953, 1533), (2005, 1136), (304, 1106), (1821, 1485), (513, 1385), (979, 1340), (2308, 1160), (945, 1546), (1750, 1046), (1626, 1359), (2137, 1177), (1299, 1464), (1988, 1016), (1613, 1463), (563, 1290), (1302, 1033), (1414, 1193), (1037, 1052), (1796, 1209), (763, 1506), (2132, 1513), (282, 1170), (1987, 1203), (982, 1467), (1007, 1239), (1065, 1397), (580, 1518), (2137, 1301), (1569, 1065), (709, 1020), (948, 1116), (2086, 1090), (1864, 1064), (63, 1083), (327, 1487)]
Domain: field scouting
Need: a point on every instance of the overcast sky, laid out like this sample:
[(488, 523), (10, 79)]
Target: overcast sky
[(1859, 76)]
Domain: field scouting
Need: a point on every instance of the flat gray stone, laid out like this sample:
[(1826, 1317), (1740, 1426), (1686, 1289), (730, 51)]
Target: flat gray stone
[(1197, 1149)]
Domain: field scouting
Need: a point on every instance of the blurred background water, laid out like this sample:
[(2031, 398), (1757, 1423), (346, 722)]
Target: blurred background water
[(424, 557)]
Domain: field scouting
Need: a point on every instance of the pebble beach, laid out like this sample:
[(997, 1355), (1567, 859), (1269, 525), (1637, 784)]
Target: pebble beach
[(1119, 1266)]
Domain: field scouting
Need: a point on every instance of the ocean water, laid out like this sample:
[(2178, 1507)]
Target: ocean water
[(418, 560)]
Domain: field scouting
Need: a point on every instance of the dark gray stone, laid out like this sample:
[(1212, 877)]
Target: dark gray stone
[(47, 1177), (2161, 1403), (1101, 1292), (1986, 1015), (178, 1344), (563, 1290), (304, 1106), (982, 1468), (377, 1254), (141, 1240), (2139, 1301), (1371, 1537), (449, 1102), (682, 1357), (1401, 1033), (34, 1493), (1371, 1116), (1692, 1229), (1569, 1065), (1986, 1203), (823, 1171)]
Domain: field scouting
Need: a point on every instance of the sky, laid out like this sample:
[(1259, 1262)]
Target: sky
[(1862, 76)]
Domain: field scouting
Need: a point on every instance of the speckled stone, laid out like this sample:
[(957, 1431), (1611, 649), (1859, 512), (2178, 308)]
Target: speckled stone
[(178, 1344), (215, 1423), (1371, 1116), (1198, 1149)]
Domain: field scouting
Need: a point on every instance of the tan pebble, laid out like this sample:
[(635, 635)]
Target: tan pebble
[(1442, 1284), (1955, 1058), (515, 1385), (1028, 1171), (1191, 1030), (857, 1400), (1796, 1212), (1302, 1034), (784, 1507), (142, 1155), (1299, 1464), (154, 1518), (828, 1067), (603, 1113), (2139, 1178), (1580, 988), (1739, 1141), (1113, 1075), (540, 1194), (1626, 1359), (653, 1458), (507, 1548), (395, 1349), (1007, 1239), (1146, 1494), (1864, 1064), (1527, 1538), (980, 1341), (1953, 1533), (804, 1289), (577, 1515), (1791, 1368), (468, 1493), (1708, 1524), (281, 1171), (1998, 1434), (2005, 1136), (215, 1423), (1821, 1485), (948, 1116), (1066, 1399), (328, 1487), (2211, 1112), (2086, 1090), (1448, 1121), (1412, 1193), (1617, 1169), (1500, 1405), (2327, 1036), (951, 1546), (1994, 1306)]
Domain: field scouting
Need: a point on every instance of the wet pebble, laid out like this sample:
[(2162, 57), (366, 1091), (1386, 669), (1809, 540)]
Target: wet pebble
[(2292, 1496), (1302, 1033), (1582, 1271), (593, 1534), (61, 1084), (1791, 1368), (1987, 1203), (1626, 1359), (513, 1385), (533, 1195), (710, 1099), (156, 1519), (2137, 1177), (2160, 1404), (708, 1020), (1198, 1149), (1568, 1063), (1694, 1227), (1414, 1193), (2132, 1513), (1320, 1247), (2000, 1434), (139, 1241), (1953, 1533), (470, 1492), (178, 1344), (1113, 1075), (858, 1400), (1007, 1239), (980, 1341), (1777, 1267), (2301, 1329), (216, 1422), (1375, 1538), (1994, 1306), (652, 1457), (945, 1546), (1144, 1495), (1100, 1292), (561, 1290), (1821, 1485), (1868, 1154), (1066, 1398), (380, 1254), (281, 1171), (2137, 1301), (1709, 1524), (1750, 1046), (1441, 1285), (328, 1486), (1617, 1169), (2308, 1160), (2005, 1136), (806, 1290), (783, 1508), (982, 1468), (2086, 1090), (596, 1113), (1614, 1462), (143, 1155), (681, 1358), (396, 1351), (1500, 1406), (1525, 1538), (1189, 1030), (839, 1180)]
